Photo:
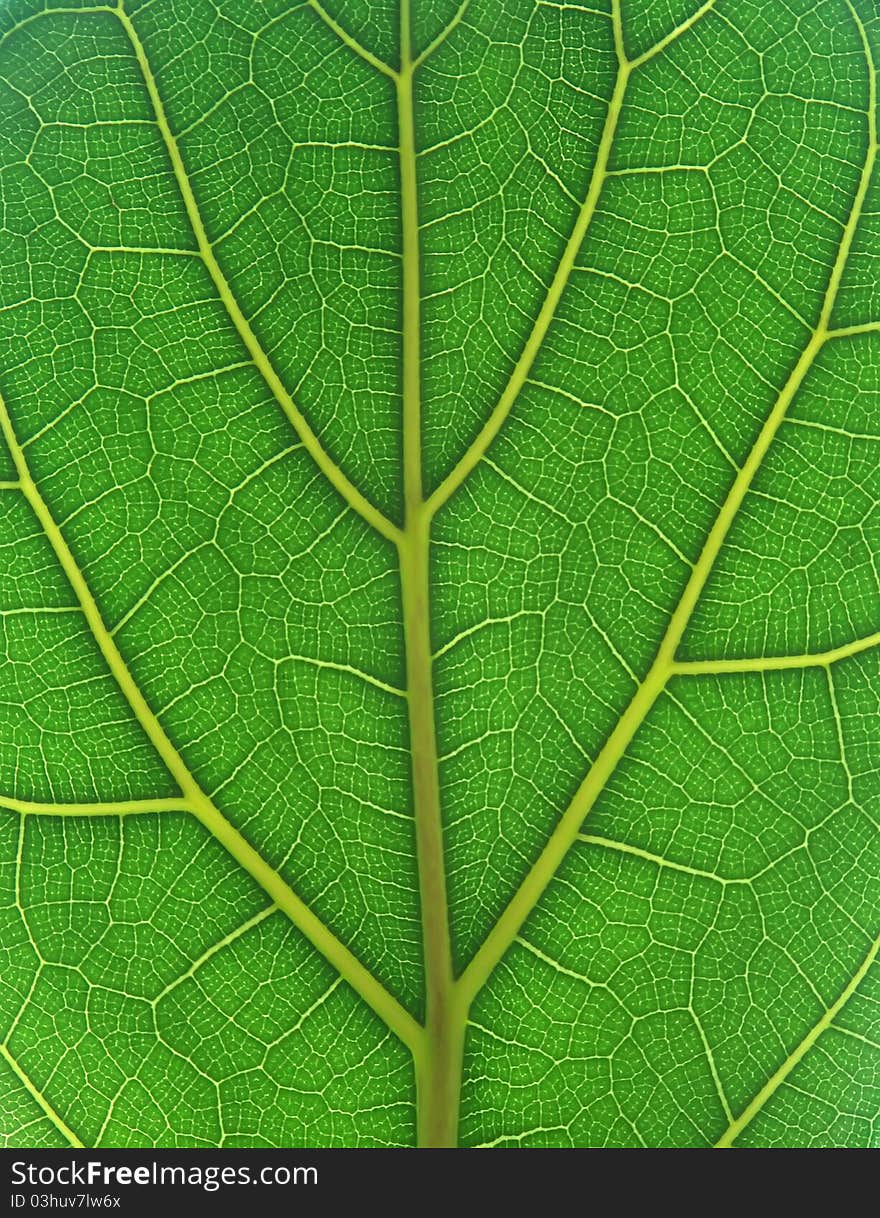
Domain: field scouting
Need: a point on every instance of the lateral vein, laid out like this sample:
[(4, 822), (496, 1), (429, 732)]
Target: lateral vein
[(212, 951), (333, 472), (663, 667), (343, 960), (474, 454), (351, 42), (814, 659), (121, 807), (60, 1124), (674, 35), (437, 42), (735, 1128)]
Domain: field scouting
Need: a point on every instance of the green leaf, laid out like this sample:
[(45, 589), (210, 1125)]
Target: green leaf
[(439, 573)]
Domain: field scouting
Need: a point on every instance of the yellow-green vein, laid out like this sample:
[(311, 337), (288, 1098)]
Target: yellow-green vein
[(343, 960), (607, 843), (351, 42), (779, 1076), (119, 807), (625, 67), (674, 35), (438, 1067), (332, 472), (37, 1095), (212, 951), (474, 454), (546, 865), (810, 659), (437, 42)]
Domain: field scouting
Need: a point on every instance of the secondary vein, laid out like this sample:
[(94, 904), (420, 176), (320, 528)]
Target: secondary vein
[(202, 807), (809, 659), (474, 454), (735, 1128), (566, 832), (333, 472), (28, 1084), (119, 807)]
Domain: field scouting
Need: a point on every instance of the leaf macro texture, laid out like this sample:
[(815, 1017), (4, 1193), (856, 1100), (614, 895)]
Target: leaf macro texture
[(439, 573)]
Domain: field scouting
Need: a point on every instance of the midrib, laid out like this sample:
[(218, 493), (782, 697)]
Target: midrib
[(437, 1049), (438, 1059)]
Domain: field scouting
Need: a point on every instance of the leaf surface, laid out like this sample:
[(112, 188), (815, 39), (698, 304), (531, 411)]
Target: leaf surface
[(438, 573)]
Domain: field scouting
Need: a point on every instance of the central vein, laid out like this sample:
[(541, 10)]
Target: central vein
[(438, 1061)]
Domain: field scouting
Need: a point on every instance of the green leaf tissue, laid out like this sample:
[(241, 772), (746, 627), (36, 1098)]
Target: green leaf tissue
[(439, 573)]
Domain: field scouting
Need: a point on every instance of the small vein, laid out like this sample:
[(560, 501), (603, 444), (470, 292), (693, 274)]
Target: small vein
[(674, 35), (480, 445), (816, 659), (735, 1128), (351, 671), (213, 950), (333, 473), (438, 41), (623, 848)]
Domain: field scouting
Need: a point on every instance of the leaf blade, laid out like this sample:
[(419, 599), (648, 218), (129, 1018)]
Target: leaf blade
[(612, 302)]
